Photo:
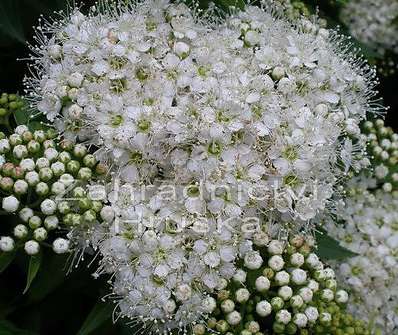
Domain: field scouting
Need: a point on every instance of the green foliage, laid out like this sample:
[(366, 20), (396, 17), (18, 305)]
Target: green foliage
[(101, 312), (34, 266), (5, 259), (330, 249)]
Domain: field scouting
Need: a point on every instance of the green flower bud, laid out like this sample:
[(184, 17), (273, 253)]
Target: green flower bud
[(84, 174), (33, 147), (27, 136), (58, 168), (34, 222), (66, 145), (15, 140), (73, 167), (46, 174), (277, 303), (89, 216), (51, 222), (79, 151), (96, 206), (49, 144), (39, 136), (17, 172), (40, 234), (6, 184), (89, 161), (64, 157), (222, 326), (42, 189), (7, 169)]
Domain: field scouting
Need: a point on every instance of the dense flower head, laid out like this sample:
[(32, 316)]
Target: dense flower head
[(252, 120), (370, 230), (254, 103), (288, 290), (43, 182), (165, 258), (373, 22)]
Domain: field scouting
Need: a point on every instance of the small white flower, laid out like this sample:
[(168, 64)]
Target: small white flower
[(27, 164), (275, 247)]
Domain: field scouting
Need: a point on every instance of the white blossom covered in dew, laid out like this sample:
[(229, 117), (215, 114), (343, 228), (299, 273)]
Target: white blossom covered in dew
[(373, 22), (371, 231), (258, 118)]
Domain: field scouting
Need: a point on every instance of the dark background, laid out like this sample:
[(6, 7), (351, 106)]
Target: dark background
[(56, 304)]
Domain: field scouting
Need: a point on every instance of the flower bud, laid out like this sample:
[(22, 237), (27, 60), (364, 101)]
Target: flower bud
[(61, 245), (7, 244), (42, 189), (32, 178), (40, 234), (234, 318), (21, 231), (48, 207), (263, 308), (32, 247), (34, 222), (10, 204), (21, 187)]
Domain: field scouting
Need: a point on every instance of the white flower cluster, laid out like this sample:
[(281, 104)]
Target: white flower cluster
[(371, 231), (167, 259), (373, 22), (253, 104), (251, 117)]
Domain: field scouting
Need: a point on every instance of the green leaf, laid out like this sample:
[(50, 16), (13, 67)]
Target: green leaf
[(34, 266), (21, 116), (330, 249), (7, 328), (100, 313), (5, 259), (51, 276)]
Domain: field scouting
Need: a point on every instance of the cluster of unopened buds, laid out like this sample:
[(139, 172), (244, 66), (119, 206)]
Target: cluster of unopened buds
[(383, 150), (43, 182), (285, 288)]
